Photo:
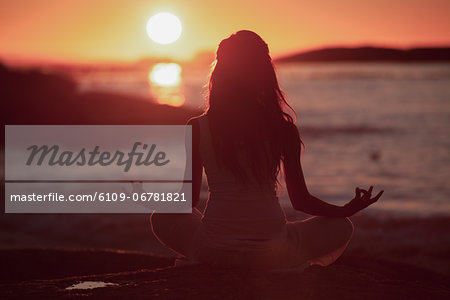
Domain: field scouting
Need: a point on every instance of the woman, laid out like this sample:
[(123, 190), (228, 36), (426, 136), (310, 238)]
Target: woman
[(243, 140)]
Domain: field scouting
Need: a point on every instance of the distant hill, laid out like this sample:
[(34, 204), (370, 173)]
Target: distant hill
[(369, 54)]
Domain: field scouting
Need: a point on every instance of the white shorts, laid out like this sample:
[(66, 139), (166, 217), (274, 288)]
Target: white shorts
[(317, 240)]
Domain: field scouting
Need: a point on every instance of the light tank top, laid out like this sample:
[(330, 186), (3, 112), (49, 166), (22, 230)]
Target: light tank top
[(237, 217)]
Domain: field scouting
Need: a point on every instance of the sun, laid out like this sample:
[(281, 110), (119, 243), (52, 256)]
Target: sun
[(164, 28)]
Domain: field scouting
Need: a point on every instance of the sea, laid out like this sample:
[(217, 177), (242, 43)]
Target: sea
[(362, 124)]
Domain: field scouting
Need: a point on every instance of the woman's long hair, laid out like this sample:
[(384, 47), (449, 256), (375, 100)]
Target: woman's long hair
[(247, 109)]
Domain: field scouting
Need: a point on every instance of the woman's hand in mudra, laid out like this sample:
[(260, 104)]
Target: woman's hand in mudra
[(362, 200)]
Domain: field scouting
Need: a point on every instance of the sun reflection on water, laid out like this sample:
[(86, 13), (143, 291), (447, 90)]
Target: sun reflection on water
[(165, 83)]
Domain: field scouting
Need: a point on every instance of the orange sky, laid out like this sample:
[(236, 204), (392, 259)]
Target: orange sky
[(82, 30)]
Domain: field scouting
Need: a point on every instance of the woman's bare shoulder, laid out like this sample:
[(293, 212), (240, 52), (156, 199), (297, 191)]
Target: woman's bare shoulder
[(194, 120)]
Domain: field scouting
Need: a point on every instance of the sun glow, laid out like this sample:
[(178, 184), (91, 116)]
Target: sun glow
[(165, 84), (164, 28)]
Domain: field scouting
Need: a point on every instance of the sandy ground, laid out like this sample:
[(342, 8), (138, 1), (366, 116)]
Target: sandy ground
[(47, 273), (388, 258)]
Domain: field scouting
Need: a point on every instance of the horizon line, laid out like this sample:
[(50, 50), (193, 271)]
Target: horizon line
[(24, 61)]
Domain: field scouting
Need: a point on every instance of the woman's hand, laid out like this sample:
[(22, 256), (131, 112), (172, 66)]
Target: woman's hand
[(361, 201)]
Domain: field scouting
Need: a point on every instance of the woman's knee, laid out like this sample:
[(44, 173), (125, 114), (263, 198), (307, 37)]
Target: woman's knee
[(342, 228), (154, 220), (164, 225), (157, 221), (347, 227)]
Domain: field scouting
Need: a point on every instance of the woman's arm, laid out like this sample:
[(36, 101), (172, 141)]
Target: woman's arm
[(197, 165), (298, 192)]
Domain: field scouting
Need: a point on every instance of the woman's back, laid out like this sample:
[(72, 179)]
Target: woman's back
[(237, 213), (242, 141)]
